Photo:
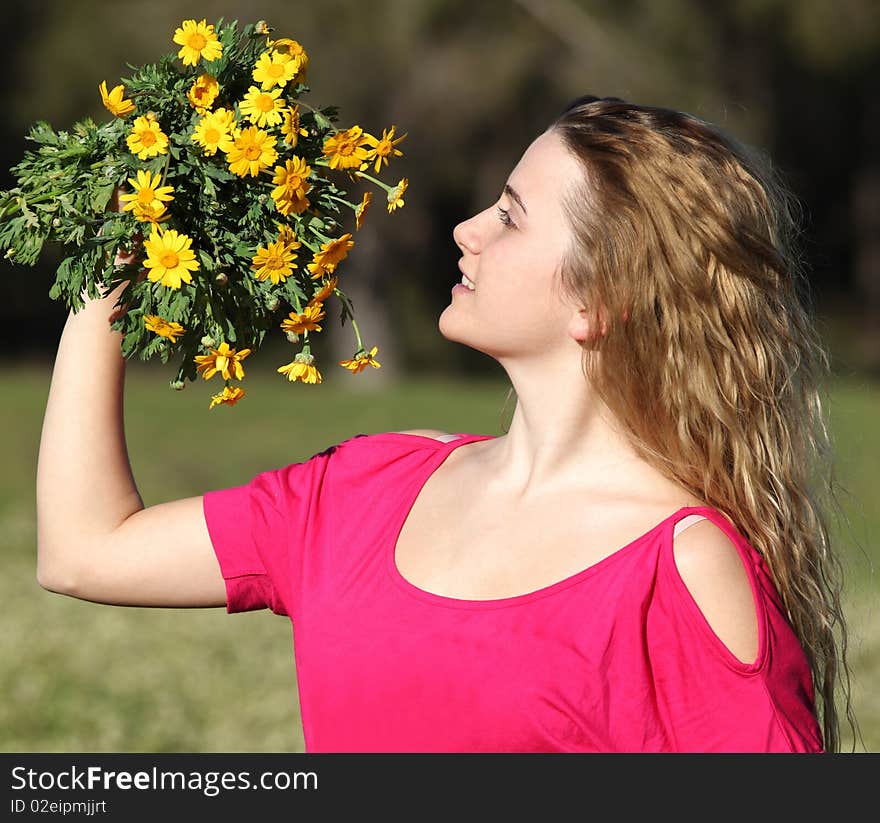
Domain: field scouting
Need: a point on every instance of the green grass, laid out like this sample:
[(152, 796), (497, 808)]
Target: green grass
[(82, 677)]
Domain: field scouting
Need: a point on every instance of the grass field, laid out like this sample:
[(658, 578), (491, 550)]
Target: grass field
[(82, 677)]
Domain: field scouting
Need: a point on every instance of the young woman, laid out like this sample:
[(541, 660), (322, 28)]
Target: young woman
[(640, 563)]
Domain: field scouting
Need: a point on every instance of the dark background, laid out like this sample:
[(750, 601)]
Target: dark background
[(473, 84)]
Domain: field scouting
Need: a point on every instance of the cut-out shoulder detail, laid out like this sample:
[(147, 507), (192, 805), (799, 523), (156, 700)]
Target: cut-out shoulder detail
[(687, 521), (713, 572), (436, 434)]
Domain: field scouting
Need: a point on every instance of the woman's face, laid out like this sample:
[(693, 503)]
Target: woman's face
[(512, 252)]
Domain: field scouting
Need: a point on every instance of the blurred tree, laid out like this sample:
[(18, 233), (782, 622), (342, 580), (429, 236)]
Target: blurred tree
[(473, 84)]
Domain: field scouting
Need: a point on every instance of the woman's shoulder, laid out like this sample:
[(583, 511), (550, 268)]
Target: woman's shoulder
[(716, 575)]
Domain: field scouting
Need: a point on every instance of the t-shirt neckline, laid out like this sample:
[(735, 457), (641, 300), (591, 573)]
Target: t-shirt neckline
[(444, 449)]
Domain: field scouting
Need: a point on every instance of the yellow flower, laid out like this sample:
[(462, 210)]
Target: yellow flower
[(326, 290), (287, 236), (230, 396), (252, 151), (214, 131), (222, 360), (361, 211), (307, 321), (395, 196), (361, 360), (150, 213), (113, 101), (197, 41), (147, 192), (287, 49), (274, 263), (297, 370), (164, 328), (147, 138), (263, 108), (203, 92), (335, 251), (273, 70), (383, 148), (289, 202), (345, 148), (291, 186), (169, 258), (290, 128)]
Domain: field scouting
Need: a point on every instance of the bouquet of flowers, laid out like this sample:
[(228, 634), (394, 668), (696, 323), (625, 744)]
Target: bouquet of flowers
[(228, 186)]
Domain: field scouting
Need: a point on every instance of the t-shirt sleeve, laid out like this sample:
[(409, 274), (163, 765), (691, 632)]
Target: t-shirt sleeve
[(256, 530)]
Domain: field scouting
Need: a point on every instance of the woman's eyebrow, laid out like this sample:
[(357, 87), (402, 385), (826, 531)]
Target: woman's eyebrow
[(512, 192)]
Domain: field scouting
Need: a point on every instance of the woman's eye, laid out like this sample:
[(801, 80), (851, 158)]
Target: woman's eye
[(504, 217)]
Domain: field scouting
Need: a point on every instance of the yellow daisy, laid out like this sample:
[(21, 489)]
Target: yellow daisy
[(147, 192), (203, 92), (307, 321), (252, 151), (164, 328), (287, 49), (326, 290), (289, 201), (113, 100), (361, 211), (290, 127), (273, 70), (169, 258), (274, 263), (214, 131), (291, 185), (335, 251), (229, 396), (383, 148), (197, 41), (150, 213), (395, 196), (362, 360), (222, 360), (263, 108), (346, 148), (287, 236), (297, 370), (147, 138)]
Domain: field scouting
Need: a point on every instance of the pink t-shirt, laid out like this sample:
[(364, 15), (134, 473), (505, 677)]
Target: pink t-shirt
[(615, 658)]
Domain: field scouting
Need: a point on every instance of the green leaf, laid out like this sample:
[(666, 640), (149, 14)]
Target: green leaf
[(101, 196)]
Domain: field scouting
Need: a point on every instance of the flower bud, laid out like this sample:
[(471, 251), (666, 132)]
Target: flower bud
[(177, 385), (208, 342), (263, 198), (221, 279), (56, 222), (293, 337), (272, 303)]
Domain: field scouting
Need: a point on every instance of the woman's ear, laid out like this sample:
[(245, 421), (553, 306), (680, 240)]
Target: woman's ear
[(587, 325)]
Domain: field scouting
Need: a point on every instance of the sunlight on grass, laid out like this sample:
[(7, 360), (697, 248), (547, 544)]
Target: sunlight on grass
[(84, 677)]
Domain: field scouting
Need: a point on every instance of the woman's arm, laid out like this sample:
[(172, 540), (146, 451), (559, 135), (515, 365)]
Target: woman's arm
[(95, 539)]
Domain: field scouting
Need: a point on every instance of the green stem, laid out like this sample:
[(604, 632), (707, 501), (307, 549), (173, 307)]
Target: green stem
[(297, 303), (310, 246), (165, 170), (345, 301), (375, 180)]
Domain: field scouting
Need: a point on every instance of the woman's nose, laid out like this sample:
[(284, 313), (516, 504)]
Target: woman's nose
[(466, 236)]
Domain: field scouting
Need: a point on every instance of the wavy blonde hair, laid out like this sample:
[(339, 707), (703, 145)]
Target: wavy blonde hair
[(710, 359)]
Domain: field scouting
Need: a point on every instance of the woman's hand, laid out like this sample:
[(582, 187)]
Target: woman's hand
[(123, 258)]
